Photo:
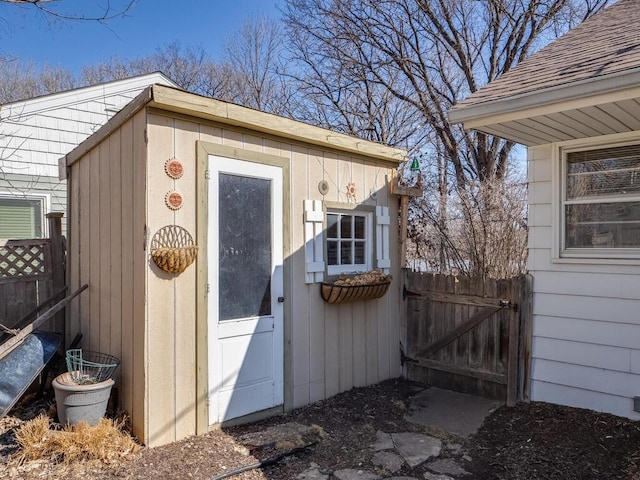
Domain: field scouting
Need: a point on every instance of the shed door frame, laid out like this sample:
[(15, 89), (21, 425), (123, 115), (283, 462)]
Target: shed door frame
[(204, 149)]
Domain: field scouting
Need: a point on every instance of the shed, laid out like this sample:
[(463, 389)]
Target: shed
[(575, 104), (275, 207)]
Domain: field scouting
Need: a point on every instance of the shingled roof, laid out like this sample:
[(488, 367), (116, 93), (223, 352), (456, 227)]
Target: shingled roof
[(605, 44), (584, 84)]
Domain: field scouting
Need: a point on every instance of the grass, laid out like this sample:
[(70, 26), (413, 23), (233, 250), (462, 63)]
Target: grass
[(107, 442)]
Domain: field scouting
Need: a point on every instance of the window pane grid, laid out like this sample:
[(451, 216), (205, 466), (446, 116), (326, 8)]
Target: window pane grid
[(346, 240)]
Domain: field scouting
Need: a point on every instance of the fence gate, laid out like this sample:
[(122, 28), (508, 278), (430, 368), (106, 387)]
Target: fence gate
[(32, 277), (469, 335)]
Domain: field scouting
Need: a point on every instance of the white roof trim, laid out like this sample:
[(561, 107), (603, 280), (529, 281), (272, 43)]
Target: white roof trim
[(478, 114)]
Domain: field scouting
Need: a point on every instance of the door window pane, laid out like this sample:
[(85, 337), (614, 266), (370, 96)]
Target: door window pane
[(244, 246)]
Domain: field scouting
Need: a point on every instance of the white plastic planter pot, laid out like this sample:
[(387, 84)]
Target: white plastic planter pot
[(81, 403)]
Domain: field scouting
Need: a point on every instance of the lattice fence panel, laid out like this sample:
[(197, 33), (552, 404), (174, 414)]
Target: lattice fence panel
[(18, 259)]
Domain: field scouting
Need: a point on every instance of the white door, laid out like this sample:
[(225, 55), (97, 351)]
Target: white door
[(245, 323)]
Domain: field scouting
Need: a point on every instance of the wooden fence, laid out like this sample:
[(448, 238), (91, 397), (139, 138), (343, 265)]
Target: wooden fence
[(32, 277), (468, 334)]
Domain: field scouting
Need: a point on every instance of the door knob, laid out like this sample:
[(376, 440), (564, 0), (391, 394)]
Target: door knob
[(280, 299)]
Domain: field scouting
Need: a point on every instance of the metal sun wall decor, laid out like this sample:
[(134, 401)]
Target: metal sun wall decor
[(173, 168), (351, 192), (173, 200)]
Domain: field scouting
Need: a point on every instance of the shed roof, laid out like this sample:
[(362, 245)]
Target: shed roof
[(179, 101), (591, 76)]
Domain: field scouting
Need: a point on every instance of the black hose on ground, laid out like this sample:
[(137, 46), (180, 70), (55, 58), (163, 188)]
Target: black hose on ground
[(262, 463)]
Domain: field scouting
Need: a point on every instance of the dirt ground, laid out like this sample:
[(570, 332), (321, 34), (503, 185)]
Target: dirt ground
[(533, 441)]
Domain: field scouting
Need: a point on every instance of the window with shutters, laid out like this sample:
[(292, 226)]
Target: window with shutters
[(344, 240), (600, 202), (22, 217)]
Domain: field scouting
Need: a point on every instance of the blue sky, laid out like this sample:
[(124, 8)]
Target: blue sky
[(31, 36)]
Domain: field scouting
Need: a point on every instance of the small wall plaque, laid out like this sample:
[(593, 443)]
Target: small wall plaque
[(323, 187), (173, 200), (173, 168)]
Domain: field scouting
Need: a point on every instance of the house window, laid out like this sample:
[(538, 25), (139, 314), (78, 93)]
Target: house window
[(21, 217), (601, 200), (348, 242)]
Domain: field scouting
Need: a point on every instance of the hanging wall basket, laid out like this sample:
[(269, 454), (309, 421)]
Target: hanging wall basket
[(367, 286), (334, 294), (172, 249)]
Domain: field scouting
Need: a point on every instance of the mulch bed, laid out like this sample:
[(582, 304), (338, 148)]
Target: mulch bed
[(544, 441), (533, 441)]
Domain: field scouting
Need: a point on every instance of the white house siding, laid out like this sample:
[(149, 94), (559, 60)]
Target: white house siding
[(36, 132), (586, 325)]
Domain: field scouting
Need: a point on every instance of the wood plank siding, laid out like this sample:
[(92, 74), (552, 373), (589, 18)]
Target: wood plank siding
[(114, 264), (586, 326), (156, 322)]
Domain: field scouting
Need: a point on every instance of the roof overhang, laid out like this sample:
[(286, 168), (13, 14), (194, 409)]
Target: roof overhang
[(178, 101), (592, 107)]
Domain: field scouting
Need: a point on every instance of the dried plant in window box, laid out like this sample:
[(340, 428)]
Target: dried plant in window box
[(366, 286)]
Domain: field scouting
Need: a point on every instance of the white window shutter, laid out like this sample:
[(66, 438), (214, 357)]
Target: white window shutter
[(314, 242), (383, 262)]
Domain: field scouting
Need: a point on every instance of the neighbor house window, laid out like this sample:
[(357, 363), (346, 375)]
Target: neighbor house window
[(348, 241), (601, 200), (21, 217)]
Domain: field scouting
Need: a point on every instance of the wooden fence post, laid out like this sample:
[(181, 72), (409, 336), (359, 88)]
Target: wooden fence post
[(526, 334), (58, 264)]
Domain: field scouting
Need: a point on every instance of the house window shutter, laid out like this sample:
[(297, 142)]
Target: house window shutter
[(314, 242), (383, 262)]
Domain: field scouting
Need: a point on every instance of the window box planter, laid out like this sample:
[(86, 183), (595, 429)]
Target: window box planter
[(367, 286)]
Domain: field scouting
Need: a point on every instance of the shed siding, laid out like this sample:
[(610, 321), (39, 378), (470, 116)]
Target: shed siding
[(586, 324), (171, 307), (107, 213), (333, 348)]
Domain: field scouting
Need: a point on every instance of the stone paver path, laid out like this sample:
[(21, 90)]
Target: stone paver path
[(394, 451)]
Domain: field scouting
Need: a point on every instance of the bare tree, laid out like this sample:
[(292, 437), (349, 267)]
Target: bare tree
[(430, 54), (253, 57), (190, 67), (19, 81), (336, 88), (90, 11)]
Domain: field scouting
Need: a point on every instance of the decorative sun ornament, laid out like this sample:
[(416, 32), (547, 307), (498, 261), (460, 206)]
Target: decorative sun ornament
[(351, 191)]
